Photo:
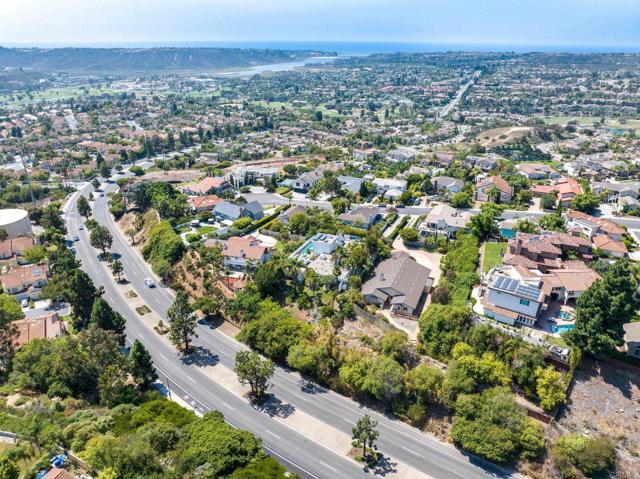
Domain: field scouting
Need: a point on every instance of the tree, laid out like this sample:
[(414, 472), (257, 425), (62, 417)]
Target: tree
[(548, 201), (117, 269), (182, 322), (602, 310), (462, 199), (425, 383), (141, 365), (104, 317), (441, 327), (35, 254), (585, 202), (590, 456), (380, 377), (494, 426), (101, 238), (483, 225), (409, 235), (254, 371), (365, 434), (552, 222), (83, 207), (551, 387), (215, 449), (3, 234), (526, 226), (8, 469)]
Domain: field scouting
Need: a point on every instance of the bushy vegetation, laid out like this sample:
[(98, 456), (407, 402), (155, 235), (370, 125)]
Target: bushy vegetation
[(163, 249), (574, 455), (459, 274), (494, 426)]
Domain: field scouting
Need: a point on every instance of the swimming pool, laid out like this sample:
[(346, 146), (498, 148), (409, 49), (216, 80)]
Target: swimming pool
[(561, 328)]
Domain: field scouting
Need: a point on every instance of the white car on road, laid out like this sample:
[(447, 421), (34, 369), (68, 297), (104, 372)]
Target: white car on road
[(150, 283)]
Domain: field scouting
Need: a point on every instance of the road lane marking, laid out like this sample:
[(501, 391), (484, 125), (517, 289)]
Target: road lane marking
[(328, 466), (409, 450), (191, 379), (272, 433), (226, 405)]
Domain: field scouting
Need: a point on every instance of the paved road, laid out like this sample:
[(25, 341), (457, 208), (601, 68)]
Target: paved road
[(401, 442), (456, 99)]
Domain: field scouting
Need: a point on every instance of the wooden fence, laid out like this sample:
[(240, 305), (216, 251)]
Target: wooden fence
[(374, 319)]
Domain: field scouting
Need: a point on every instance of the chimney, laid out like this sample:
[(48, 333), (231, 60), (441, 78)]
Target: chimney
[(518, 245)]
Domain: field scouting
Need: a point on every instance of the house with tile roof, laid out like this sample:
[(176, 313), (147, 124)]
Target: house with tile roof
[(47, 326), (25, 282), (245, 253), (487, 185), (207, 186), (204, 203)]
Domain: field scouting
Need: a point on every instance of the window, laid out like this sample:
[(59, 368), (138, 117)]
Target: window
[(524, 302)]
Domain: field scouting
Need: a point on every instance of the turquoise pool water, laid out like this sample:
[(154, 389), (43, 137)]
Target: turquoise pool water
[(561, 328)]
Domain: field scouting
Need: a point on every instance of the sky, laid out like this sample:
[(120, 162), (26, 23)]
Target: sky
[(605, 23)]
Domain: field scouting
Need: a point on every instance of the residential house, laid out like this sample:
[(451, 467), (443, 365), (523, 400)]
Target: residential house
[(515, 294), (546, 251), (591, 226), (47, 326), (351, 183), (610, 246), (568, 284), (444, 220), (207, 186), (399, 283), (251, 175), (511, 300), (361, 217), (295, 209), (627, 204), (632, 339), (402, 153), (245, 253), (229, 211), (203, 203), (306, 181), (486, 187), (15, 247), (385, 184), (25, 282), (613, 191), (365, 154), (443, 160), (446, 184), (57, 473), (565, 190), (537, 171), (317, 254)]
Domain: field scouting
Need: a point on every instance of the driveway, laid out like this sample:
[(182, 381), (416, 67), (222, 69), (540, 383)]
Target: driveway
[(423, 257)]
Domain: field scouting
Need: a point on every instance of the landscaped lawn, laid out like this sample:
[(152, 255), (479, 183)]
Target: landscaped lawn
[(492, 255)]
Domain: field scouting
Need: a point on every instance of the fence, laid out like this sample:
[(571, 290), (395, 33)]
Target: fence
[(373, 319)]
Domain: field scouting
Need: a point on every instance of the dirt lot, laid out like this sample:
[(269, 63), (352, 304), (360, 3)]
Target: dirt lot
[(502, 136), (606, 400)]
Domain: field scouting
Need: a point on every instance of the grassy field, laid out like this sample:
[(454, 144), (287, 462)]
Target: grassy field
[(54, 94), (492, 255), (591, 120)]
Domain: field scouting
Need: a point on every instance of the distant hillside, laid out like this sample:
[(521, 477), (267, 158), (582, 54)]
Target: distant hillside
[(144, 59)]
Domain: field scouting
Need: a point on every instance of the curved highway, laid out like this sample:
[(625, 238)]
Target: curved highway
[(401, 442)]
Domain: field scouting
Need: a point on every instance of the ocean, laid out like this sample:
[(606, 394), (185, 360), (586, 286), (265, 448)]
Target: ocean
[(355, 48)]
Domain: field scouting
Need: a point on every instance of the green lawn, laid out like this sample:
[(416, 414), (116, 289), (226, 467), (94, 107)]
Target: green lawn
[(492, 255)]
